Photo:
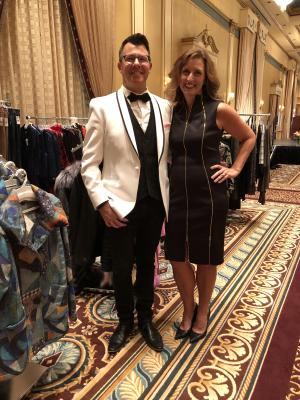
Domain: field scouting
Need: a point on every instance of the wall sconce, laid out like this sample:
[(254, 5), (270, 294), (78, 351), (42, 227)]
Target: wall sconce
[(166, 80), (261, 103), (281, 107), (230, 97)]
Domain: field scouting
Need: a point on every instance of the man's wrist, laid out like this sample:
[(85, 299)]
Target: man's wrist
[(101, 205)]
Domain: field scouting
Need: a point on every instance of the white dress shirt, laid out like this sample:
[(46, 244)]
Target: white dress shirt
[(140, 109)]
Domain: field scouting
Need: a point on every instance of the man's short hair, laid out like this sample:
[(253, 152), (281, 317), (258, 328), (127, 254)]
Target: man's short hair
[(138, 39)]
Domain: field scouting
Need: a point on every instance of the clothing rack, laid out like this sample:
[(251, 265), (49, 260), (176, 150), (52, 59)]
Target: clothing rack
[(5, 103), (29, 117), (255, 115), (73, 119)]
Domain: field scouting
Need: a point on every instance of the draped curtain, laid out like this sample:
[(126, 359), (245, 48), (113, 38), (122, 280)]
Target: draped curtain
[(1, 6), (259, 71), (288, 105), (273, 110), (39, 68), (245, 78), (95, 27), (296, 80)]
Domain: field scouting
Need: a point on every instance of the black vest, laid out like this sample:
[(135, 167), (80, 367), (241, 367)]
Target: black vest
[(147, 149)]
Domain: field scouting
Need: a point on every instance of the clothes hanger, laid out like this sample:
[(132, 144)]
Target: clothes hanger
[(24, 192), (18, 181), (28, 122), (11, 183)]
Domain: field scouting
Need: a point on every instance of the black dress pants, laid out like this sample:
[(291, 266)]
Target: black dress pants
[(137, 241), (106, 254)]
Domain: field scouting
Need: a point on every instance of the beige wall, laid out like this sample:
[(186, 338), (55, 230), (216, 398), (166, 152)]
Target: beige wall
[(188, 21), (153, 31), (143, 16), (229, 8), (167, 22), (271, 74), (123, 29), (276, 52)]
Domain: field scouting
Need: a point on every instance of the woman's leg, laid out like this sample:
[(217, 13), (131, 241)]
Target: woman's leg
[(206, 279), (185, 280)]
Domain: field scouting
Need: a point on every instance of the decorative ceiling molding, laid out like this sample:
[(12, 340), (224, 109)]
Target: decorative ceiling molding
[(283, 28), (262, 33), (248, 20)]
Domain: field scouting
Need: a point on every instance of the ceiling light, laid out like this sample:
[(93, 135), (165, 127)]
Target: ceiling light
[(283, 4)]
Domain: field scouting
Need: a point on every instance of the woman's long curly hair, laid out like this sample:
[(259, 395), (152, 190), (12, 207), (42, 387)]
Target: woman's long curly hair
[(211, 84)]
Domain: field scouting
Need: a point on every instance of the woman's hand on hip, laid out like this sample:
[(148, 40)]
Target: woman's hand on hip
[(223, 173)]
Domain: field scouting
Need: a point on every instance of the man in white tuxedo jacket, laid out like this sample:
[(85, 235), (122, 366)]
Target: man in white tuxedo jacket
[(127, 133)]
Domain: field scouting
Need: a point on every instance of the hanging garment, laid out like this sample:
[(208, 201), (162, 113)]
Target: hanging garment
[(84, 218), (225, 157), (4, 131), (14, 136), (14, 331), (263, 166), (64, 182), (39, 243)]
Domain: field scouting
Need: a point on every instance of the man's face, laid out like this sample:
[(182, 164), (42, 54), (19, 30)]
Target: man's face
[(135, 67)]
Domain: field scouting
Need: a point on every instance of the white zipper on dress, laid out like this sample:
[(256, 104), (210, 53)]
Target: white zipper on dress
[(187, 255), (208, 181)]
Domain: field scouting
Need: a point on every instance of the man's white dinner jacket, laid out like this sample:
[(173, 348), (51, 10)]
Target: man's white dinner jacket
[(110, 139)]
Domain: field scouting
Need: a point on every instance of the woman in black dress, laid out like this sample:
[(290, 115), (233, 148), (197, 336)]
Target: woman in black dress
[(198, 199)]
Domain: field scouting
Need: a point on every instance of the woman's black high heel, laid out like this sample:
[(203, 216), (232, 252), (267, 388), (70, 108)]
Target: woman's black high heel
[(195, 336), (181, 333)]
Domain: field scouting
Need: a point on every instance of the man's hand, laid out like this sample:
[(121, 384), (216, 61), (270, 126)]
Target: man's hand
[(110, 217)]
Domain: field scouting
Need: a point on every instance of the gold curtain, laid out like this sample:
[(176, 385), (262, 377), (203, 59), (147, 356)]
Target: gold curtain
[(1, 6), (286, 126), (39, 67), (259, 71), (95, 23), (244, 89), (273, 110)]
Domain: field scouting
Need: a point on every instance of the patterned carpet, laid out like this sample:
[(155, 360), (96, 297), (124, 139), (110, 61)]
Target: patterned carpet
[(284, 186), (253, 285), (286, 177)]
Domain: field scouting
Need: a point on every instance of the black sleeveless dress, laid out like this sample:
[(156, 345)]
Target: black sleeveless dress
[(198, 206)]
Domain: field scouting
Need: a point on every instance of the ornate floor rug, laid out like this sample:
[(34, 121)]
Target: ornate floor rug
[(285, 177), (284, 185), (249, 304)]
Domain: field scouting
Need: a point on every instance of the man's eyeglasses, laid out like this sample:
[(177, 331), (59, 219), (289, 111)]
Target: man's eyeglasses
[(131, 59)]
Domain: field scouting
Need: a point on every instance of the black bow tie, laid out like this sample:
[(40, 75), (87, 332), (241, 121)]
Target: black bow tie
[(142, 97)]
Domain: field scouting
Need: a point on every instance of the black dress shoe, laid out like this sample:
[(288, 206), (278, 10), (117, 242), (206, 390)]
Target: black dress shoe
[(151, 335), (195, 336), (118, 338), (181, 333)]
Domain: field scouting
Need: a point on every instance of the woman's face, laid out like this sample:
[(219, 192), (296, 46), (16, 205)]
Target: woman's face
[(192, 77)]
